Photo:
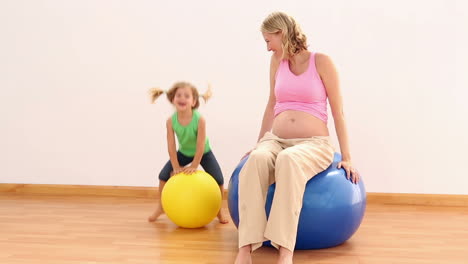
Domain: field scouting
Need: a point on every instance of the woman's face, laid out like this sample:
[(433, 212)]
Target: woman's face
[(273, 41)]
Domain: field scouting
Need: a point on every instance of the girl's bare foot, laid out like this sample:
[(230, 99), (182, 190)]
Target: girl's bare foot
[(244, 255), (285, 256), (222, 217), (159, 211)]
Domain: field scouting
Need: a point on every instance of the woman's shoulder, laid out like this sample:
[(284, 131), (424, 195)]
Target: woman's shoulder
[(321, 57), (275, 61), (322, 61), (275, 58)]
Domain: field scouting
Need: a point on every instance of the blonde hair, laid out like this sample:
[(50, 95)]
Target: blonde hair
[(293, 40), (156, 92)]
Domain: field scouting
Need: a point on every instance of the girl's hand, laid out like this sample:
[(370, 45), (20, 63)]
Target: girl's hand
[(177, 170), (190, 169), (351, 172)]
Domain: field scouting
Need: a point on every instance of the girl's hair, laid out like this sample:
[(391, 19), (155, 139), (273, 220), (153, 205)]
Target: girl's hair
[(156, 92), (294, 40)]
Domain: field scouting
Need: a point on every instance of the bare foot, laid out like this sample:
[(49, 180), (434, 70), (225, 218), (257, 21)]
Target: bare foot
[(285, 256), (222, 217), (244, 255), (159, 211)]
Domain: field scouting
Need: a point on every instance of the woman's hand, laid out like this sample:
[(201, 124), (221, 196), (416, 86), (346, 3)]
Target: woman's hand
[(351, 172), (246, 154)]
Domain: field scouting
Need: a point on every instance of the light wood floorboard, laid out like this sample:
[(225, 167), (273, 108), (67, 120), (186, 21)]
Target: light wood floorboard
[(87, 229)]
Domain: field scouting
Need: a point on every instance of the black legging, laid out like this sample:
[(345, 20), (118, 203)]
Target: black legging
[(208, 162)]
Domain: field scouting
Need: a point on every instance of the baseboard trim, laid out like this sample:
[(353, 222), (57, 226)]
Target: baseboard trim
[(418, 199), (80, 190), (152, 192)]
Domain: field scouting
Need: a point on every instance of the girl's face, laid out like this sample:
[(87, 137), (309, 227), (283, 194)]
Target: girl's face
[(183, 99), (273, 41)]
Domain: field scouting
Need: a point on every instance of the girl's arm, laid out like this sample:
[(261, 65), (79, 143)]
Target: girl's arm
[(201, 136), (171, 147), (329, 75), (268, 115)]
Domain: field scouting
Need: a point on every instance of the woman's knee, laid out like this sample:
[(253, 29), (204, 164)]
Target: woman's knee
[(286, 163), (285, 156), (261, 155)]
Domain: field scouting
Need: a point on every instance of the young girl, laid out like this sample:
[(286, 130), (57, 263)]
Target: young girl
[(194, 146)]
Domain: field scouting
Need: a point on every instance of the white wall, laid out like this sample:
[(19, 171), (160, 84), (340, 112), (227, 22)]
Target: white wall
[(74, 77)]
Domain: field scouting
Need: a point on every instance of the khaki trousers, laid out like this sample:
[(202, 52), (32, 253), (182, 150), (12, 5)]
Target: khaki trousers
[(290, 163)]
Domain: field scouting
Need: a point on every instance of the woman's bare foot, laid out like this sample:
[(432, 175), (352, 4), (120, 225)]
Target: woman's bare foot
[(244, 255), (285, 256), (222, 217), (159, 211)]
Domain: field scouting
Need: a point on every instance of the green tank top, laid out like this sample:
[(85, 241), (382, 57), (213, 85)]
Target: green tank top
[(187, 135)]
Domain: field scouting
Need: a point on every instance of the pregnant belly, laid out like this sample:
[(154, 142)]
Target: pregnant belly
[(296, 124)]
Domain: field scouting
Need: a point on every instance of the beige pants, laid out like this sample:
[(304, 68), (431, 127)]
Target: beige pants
[(290, 163)]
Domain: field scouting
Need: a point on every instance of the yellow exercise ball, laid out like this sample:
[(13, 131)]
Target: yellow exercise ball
[(191, 200)]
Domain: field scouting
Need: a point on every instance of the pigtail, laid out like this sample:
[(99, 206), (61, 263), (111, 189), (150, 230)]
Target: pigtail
[(155, 93), (207, 95)]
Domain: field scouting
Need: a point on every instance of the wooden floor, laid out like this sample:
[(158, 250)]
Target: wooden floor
[(70, 229)]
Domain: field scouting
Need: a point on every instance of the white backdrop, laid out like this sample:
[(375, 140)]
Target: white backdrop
[(74, 77)]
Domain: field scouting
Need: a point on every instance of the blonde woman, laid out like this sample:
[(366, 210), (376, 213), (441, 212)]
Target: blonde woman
[(293, 144)]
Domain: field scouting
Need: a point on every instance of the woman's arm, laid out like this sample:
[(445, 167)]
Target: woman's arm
[(201, 137), (171, 147), (329, 75), (268, 115)]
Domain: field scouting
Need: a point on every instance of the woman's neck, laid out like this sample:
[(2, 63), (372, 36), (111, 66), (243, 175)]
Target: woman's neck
[(299, 57)]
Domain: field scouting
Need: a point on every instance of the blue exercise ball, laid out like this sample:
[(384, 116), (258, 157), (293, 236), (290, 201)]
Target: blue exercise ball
[(333, 207)]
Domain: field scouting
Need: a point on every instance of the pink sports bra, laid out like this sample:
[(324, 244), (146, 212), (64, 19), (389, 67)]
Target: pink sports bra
[(304, 92)]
